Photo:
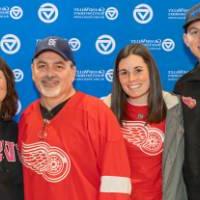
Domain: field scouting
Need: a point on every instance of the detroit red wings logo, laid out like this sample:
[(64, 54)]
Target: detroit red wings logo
[(148, 139), (51, 162)]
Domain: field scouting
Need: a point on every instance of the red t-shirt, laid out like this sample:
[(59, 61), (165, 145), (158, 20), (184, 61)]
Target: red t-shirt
[(145, 145)]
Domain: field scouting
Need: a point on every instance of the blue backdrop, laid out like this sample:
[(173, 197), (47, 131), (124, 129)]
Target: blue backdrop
[(96, 31)]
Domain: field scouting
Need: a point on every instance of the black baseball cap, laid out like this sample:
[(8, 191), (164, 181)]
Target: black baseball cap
[(192, 15), (56, 44)]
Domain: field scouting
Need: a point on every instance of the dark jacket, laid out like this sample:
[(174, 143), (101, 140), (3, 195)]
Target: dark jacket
[(11, 187), (189, 85)]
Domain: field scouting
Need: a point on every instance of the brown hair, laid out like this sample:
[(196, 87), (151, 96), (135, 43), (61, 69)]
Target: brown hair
[(9, 104), (156, 104)]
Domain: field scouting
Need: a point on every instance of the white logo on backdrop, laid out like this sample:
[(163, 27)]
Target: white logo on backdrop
[(177, 13), (19, 75), (143, 13), (111, 13), (109, 75), (19, 107), (48, 13), (74, 44), (16, 12), (105, 44), (168, 45), (174, 75), (10, 44)]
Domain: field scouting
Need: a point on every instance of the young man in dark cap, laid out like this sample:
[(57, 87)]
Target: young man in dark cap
[(189, 88), (70, 143)]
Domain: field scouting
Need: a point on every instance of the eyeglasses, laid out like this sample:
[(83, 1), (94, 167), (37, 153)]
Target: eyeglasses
[(194, 32)]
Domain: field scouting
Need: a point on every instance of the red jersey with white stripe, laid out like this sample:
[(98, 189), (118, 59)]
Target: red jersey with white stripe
[(81, 155), (145, 145)]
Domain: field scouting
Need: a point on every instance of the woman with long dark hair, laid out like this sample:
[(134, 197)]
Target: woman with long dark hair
[(10, 166), (151, 124)]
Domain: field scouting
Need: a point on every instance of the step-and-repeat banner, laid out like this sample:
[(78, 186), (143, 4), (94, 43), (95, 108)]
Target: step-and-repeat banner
[(96, 31)]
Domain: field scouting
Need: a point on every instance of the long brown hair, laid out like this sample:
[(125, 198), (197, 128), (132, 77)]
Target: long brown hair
[(9, 104), (156, 104)]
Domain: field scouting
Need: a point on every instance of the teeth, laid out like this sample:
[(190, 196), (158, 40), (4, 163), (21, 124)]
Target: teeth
[(134, 86)]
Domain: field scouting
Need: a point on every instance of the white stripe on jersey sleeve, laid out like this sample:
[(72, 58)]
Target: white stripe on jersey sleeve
[(115, 184)]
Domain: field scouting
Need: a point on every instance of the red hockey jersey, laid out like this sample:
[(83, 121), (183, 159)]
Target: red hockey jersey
[(81, 155)]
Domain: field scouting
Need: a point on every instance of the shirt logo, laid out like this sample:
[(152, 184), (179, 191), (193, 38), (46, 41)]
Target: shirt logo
[(7, 151), (51, 162), (149, 140)]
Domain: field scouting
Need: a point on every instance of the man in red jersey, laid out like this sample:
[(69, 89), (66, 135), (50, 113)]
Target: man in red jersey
[(70, 142)]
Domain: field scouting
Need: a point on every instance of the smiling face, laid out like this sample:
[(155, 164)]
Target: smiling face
[(192, 38), (134, 78), (3, 87), (53, 76)]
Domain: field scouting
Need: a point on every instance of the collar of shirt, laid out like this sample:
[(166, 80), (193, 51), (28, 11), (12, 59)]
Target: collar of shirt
[(49, 114)]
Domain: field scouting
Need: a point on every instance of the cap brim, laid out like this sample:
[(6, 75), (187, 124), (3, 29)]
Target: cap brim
[(50, 49), (190, 22)]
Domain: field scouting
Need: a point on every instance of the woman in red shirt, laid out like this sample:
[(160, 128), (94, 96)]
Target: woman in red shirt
[(151, 123)]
